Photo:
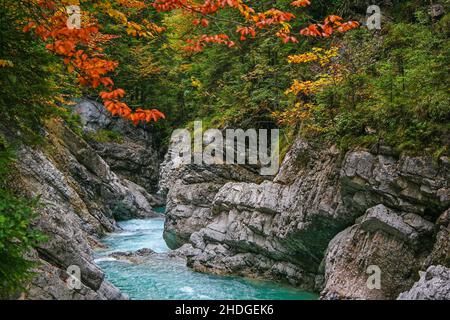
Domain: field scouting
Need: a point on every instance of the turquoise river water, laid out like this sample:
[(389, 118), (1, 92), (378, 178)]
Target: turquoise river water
[(163, 278)]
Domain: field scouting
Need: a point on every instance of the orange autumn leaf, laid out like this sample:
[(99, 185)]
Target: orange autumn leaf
[(330, 25), (301, 3)]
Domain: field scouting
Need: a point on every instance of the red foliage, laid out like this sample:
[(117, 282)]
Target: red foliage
[(82, 49), (330, 25), (82, 52), (301, 3)]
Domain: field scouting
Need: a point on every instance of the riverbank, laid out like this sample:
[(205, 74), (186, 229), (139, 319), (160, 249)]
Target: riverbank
[(162, 277)]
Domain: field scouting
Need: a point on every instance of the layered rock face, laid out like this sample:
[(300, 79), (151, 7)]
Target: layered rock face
[(134, 157), (191, 193), (274, 230), (80, 198), (400, 234), (325, 219), (434, 284)]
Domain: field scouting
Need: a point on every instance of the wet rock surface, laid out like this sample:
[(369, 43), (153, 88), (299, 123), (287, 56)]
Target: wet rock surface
[(146, 255)]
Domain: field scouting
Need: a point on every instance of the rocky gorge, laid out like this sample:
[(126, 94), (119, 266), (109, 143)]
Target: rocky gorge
[(321, 223), (80, 200), (326, 217)]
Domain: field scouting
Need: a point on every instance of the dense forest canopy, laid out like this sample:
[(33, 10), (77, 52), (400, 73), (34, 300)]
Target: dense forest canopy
[(310, 68), (86, 39)]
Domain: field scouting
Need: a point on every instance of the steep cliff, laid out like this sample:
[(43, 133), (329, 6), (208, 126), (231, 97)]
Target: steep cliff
[(190, 197), (325, 218), (131, 155), (80, 197)]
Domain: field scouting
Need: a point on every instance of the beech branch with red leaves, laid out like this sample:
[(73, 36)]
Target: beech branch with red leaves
[(82, 49)]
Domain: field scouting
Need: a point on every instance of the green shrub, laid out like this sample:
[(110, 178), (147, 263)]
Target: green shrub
[(16, 234), (396, 92), (16, 238), (105, 136)]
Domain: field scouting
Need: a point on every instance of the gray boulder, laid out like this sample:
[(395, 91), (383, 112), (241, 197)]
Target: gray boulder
[(381, 238), (434, 284)]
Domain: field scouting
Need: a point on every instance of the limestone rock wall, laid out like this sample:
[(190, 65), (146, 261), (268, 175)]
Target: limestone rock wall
[(80, 199), (325, 218), (134, 157)]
